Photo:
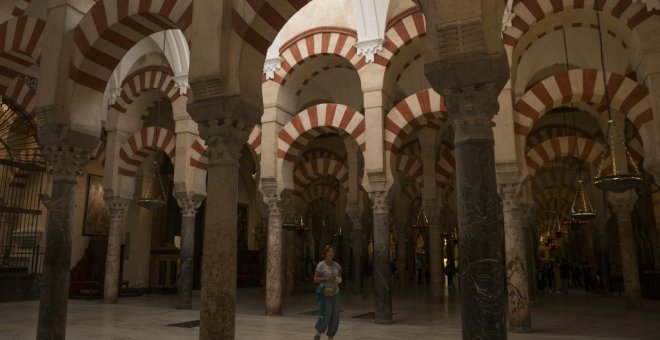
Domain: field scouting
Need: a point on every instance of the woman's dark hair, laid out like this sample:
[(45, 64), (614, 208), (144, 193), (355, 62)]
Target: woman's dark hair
[(328, 247)]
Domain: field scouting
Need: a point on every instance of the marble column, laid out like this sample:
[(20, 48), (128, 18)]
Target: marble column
[(117, 207), (599, 231), (225, 139), (623, 209), (274, 259), (63, 161), (520, 319), (482, 274), (435, 246), (382, 267), (530, 243), (359, 251), (189, 203)]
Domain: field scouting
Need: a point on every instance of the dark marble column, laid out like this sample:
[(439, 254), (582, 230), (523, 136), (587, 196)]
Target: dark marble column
[(435, 247), (64, 161), (189, 203), (482, 274), (530, 243), (382, 267), (218, 296), (516, 259), (623, 209), (359, 252), (275, 253), (117, 207), (599, 232)]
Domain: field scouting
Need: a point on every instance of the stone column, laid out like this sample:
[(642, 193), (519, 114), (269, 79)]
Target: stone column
[(359, 251), (382, 268), (225, 139), (189, 203), (482, 276), (435, 247), (516, 259), (599, 228), (623, 209), (63, 161), (117, 207), (274, 259)]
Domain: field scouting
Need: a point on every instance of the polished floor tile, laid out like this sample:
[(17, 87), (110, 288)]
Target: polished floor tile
[(554, 316)]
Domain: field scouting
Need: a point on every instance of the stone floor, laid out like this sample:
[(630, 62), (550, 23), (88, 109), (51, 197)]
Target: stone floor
[(555, 316)]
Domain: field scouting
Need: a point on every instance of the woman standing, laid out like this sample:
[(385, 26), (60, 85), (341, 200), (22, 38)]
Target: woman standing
[(328, 275)]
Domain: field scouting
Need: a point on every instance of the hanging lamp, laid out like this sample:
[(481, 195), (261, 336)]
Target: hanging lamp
[(422, 221), (611, 176), (581, 209), (153, 198)]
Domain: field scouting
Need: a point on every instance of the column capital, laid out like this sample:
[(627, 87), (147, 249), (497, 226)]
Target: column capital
[(64, 161), (188, 201), (116, 205), (225, 139), (471, 110), (380, 202), (355, 214)]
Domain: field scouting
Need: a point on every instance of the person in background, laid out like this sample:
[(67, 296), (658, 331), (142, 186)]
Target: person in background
[(328, 276)]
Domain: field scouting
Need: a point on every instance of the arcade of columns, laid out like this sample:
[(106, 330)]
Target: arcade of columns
[(478, 128)]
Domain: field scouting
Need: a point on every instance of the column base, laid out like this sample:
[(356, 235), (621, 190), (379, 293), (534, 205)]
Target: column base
[(520, 329), (384, 321), (184, 306)]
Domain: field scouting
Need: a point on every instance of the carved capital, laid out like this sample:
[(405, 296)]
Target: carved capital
[(650, 4), (471, 110), (271, 66), (64, 161), (369, 48), (379, 202), (508, 15), (224, 139), (355, 214), (189, 202), (181, 82), (114, 94), (116, 206)]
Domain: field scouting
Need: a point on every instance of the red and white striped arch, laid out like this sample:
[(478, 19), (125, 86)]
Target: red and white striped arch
[(445, 168), (314, 192), (20, 47), (110, 28), (145, 80), (141, 145), (254, 141), (584, 86), (99, 152), (636, 148), (552, 131), (23, 96), (316, 120), (312, 169), (423, 108), (400, 31), (531, 12), (411, 167), (324, 40), (555, 148), (258, 22)]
